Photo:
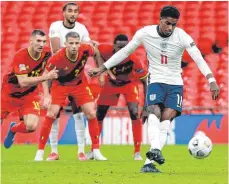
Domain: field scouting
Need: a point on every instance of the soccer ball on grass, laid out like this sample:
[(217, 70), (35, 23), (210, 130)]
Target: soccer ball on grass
[(200, 146)]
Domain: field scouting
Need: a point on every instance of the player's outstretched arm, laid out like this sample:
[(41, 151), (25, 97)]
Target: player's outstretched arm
[(97, 57), (25, 81), (195, 53), (47, 97), (119, 56), (99, 61)]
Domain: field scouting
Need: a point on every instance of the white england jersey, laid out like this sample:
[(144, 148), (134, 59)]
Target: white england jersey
[(57, 29), (164, 54)]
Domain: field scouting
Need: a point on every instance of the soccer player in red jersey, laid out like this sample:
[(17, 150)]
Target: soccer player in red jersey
[(57, 32), (19, 88), (70, 62), (126, 74)]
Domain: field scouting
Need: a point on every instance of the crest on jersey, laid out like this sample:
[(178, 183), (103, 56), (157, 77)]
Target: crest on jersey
[(22, 67), (152, 97), (192, 44), (164, 45)]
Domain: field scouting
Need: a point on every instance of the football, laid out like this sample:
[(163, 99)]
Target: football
[(200, 146)]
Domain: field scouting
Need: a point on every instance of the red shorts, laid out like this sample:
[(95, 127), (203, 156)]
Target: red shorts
[(81, 94), (28, 104), (110, 94)]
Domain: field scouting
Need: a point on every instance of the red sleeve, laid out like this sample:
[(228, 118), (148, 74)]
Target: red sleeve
[(20, 64), (139, 70)]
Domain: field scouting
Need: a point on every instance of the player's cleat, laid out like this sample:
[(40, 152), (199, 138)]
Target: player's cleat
[(53, 156), (149, 168), (9, 140), (90, 155), (155, 154), (137, 156), (98, 156), (39, 155), (82, 156)]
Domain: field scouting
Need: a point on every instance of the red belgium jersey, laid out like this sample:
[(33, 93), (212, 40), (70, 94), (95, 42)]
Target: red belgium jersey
[(125, 72), (23, 64), (70, 72)]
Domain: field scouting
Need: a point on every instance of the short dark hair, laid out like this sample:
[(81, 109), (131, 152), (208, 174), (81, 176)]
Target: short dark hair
[(120, 37), (170, 11), (69, 4), (38, 32), (72, 35)]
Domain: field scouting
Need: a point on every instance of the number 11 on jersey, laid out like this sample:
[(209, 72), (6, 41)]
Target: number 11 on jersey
[(164, 59)]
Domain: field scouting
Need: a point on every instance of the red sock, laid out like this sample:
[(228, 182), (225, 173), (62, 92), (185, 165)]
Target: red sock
[(94, 132), (45, 131), (137, 134), (20, 128), (100, 127)]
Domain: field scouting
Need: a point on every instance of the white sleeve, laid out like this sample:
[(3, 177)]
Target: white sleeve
[(86, 36), (54, 30), (126, 51), (195, 54)]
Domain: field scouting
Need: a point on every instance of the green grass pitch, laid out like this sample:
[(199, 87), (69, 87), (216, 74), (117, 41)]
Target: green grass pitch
[(18, 167)]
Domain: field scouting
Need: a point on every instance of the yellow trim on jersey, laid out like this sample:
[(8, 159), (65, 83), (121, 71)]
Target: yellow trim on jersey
[(21, 74), (32, 56), (144, 76)]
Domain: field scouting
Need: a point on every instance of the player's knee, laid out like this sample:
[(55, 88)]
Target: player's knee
[(154, 109), (31, 126), (52, 113), (91, 114), (168, 115), (133, 113)]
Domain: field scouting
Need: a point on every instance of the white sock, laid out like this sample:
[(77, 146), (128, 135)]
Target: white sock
[(164, 127), (80, 131), (54, 136), (147, 161), (95, 151), (154, 131), (40, 151)]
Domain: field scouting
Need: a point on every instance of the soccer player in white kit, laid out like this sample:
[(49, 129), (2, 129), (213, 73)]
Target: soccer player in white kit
[(57, 33), (164, 45)]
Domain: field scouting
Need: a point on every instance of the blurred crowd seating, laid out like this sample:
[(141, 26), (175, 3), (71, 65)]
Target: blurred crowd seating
[(206, 22)]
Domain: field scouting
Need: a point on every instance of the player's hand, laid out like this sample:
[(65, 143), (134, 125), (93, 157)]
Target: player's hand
[(53, 74), (96, 71), (144, 115), (215, 90), (101, 80), (112, 76), (95, 43), (47, 101)]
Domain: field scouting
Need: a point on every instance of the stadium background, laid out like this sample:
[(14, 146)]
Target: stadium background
[(206, 22)]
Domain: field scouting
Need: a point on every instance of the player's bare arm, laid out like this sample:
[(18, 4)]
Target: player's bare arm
[(55, 44), (214, 88), (99, 62), (26, 81), (144, 82), (47, 96)]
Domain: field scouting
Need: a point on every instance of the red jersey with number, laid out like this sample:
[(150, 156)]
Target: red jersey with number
[(23, 64), (70, 72), (125, 72)]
